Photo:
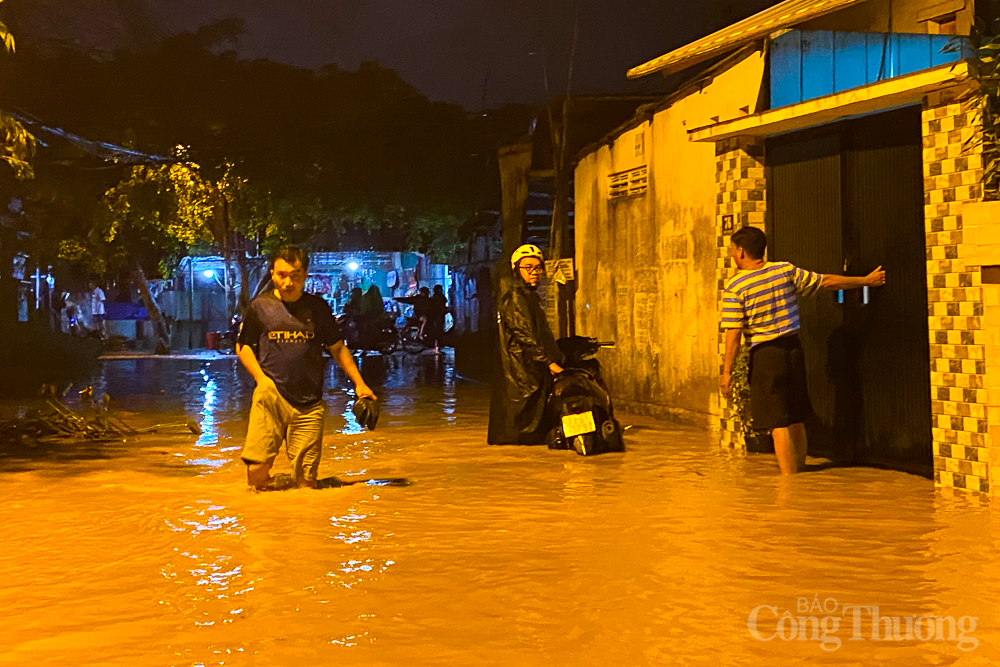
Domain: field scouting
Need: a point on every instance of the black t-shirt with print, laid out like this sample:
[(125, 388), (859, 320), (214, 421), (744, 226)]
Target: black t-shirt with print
[(289, 339)]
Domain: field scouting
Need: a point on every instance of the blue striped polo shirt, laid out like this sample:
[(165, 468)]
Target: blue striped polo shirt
[(764, 302)]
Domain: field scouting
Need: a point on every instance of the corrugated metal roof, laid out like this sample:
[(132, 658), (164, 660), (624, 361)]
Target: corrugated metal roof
[(779, 17)]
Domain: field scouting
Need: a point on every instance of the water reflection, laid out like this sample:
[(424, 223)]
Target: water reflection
[(209, 434), (449, 401), (206, 519), (351, 573), (349, 640), (351, 425), (495, 555)]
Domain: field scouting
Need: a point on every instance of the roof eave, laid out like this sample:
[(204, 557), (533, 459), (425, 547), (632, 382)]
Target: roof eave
[(671, 62)]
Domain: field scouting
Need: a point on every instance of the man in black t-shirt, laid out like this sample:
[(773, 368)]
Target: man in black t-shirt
[(281, 344)]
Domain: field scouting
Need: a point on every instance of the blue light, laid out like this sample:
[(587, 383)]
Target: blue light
[(353, 266), (209, 273)]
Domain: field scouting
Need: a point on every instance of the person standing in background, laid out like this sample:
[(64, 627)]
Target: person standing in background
[(95, 300)]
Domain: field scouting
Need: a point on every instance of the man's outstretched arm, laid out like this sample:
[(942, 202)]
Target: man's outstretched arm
[(834, 282)]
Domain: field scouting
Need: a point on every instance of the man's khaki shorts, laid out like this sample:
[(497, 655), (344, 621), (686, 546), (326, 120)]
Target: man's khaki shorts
[(274, 420)]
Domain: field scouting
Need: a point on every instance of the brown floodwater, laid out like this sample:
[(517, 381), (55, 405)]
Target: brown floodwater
[(151, 552)]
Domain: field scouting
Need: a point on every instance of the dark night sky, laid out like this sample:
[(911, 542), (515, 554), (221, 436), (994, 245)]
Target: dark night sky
[(443, 47)]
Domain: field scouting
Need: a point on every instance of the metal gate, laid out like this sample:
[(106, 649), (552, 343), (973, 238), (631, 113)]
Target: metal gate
[(847, 198)]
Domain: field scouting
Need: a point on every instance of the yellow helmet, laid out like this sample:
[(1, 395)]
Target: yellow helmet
[(524, 252)]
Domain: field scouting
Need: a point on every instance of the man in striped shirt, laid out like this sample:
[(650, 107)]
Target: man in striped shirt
[(761, 303)]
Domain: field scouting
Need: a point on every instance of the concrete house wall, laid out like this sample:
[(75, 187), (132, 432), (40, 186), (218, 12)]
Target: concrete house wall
[(651, 262), (646, 263)]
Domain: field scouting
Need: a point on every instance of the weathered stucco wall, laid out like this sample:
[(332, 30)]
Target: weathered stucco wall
[(646, 261)]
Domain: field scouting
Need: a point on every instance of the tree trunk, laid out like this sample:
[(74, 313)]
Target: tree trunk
[(241, 264), (155, 316), (223, 238)]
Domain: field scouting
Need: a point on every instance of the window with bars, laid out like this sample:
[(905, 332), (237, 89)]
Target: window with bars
[(632, 183)]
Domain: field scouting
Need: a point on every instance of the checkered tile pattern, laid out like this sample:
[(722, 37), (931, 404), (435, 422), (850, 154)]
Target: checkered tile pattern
[(960, 405), (739, 172), (959, 400)]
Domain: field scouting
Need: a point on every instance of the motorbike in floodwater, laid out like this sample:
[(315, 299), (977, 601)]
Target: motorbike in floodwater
[(580, 404), (369, 335), (228, 339)]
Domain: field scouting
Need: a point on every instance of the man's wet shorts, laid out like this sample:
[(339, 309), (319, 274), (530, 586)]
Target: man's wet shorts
[(273, 420), (779, 395)]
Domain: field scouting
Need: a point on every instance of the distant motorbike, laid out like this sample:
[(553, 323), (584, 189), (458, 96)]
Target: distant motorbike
[(416, 337), (580, 403), (378, 336), (227, 339)]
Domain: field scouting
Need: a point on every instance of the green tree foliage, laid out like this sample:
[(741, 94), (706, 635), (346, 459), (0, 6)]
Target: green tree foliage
[(17, 146), (152, 216), (981, 50), (154, 210), (754, 439), (328, 150)]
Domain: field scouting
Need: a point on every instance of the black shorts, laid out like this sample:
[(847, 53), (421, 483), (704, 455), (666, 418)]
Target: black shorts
[(779, 396)]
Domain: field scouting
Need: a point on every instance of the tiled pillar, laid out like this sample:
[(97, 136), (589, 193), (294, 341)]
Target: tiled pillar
[(959, 400), (741, 202), (982, 236)]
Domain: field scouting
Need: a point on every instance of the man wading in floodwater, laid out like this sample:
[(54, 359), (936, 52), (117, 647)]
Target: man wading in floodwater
[(761, 302), (281, 344)]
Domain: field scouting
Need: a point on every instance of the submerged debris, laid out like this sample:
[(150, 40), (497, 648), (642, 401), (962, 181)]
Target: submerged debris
[(56, 420), (284, 482)]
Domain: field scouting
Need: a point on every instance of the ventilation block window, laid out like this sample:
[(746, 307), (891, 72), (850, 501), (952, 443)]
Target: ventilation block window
[(632, 183)]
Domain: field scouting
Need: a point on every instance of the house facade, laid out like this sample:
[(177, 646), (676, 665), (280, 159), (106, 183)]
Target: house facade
[(646, 246), (852, 148)]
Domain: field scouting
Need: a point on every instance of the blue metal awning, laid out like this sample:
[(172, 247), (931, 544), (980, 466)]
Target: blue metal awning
[(806, 65)]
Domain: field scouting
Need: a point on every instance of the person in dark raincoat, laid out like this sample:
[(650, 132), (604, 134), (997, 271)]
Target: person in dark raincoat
[(437, 308), (529, 357), (372, 306), (353, 306)]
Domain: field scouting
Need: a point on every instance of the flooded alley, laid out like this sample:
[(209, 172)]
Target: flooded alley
[(152, 553)]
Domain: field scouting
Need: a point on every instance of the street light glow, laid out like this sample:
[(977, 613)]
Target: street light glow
[(209, 273)]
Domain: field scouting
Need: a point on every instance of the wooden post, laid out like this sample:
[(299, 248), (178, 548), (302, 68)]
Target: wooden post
[(155, 316), (559, 238)]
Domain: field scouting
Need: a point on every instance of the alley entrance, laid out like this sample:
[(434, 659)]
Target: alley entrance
[(847, 198)]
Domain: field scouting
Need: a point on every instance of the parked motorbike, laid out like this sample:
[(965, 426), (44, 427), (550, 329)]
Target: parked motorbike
[(580, 403)]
